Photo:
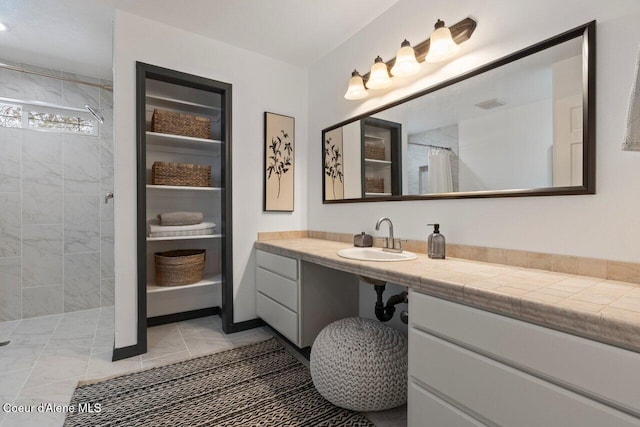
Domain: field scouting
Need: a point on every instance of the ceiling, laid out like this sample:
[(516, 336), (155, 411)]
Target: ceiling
[(75, 35)]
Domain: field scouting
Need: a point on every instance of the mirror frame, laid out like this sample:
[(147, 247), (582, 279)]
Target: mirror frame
[(588, 32)]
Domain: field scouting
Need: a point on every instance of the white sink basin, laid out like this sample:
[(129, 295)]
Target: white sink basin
[(375, 254)]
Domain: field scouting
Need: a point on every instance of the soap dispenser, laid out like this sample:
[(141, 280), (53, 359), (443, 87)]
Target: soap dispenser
[(436, 243)]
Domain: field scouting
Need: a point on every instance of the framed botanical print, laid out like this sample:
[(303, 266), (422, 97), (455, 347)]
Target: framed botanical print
[(279, 159), (333, 165)]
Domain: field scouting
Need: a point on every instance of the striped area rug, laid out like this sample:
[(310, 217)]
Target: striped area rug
[(256, 385)]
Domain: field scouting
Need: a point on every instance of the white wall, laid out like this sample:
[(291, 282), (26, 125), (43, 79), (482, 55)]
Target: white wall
[(507, 148), (605, 225), (259, 84)]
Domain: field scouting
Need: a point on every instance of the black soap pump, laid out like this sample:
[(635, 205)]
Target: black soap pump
[(436, 243)]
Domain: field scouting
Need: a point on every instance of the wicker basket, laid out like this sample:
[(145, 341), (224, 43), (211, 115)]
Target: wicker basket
[(180, 124), (179, 267), (374, 185), (374, 151), (181, 174)]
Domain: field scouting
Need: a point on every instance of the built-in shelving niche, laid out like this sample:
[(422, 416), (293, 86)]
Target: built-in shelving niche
[(382, 133), (183, 93)]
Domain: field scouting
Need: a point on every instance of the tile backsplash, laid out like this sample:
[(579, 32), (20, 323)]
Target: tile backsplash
[(56, 233)]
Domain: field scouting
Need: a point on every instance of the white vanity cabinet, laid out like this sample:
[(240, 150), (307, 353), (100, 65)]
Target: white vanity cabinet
[(298, 299), (277, 290), (469, 367)]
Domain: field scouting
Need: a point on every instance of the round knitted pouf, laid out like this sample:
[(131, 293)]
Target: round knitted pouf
[(360, 364)]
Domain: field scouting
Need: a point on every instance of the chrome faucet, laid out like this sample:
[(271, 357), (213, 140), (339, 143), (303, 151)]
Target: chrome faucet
[(390, 243)]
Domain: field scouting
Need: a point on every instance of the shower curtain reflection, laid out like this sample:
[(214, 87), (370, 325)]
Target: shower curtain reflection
[(440, 179)]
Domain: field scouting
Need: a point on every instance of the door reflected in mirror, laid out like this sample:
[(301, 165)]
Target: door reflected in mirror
[(514, 127)]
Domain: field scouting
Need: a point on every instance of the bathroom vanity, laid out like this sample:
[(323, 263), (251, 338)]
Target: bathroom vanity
[(471, 367), (299, 298), (479, 355)]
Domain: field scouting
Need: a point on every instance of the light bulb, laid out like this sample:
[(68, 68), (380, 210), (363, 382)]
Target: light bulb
[(441, 44), (406, 63), (379, 75), (356, 89)]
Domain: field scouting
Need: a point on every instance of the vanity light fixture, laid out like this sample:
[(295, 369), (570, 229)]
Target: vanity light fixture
[(406, 63), (379, 75), (356, 88), (442, 45)]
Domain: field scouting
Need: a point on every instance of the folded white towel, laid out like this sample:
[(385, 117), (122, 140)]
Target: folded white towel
[(205, 232), (180, 218), (154, 227), (632, 134)]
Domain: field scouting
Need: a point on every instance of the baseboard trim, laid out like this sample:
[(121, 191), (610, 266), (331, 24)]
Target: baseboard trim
[(126, 352), (179, 317), (243, 326)]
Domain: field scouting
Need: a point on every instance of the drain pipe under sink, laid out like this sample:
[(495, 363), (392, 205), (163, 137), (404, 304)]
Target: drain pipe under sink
[(384, 313)]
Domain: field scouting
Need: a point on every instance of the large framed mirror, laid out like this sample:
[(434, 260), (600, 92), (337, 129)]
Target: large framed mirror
[(523, 125)]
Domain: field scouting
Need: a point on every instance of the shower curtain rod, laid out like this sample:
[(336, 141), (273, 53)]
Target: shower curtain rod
[(43, 104), (51, 76), (438, 147), (432, 146)]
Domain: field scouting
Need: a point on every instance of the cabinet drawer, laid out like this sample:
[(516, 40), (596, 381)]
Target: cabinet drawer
[(277, 316), (609, 373), (427, 410), (504, 395), (278, 288), (287, 267)]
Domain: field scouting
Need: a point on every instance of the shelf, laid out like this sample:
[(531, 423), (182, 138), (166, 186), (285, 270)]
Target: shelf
[(209, 280), (377, 194), (378, 162), (167, 102), (181, 188), (374, 137), (167, 90), (166, 139), (203, 236)]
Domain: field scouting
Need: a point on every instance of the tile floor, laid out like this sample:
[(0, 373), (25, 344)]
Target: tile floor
[(48, 355)]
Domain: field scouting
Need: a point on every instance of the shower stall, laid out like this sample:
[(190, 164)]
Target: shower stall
[(56, 166)]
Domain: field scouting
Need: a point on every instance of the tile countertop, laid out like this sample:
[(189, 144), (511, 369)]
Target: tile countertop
[(602, 310)]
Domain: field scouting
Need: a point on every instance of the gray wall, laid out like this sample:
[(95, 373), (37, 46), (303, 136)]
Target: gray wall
[(56, 233)]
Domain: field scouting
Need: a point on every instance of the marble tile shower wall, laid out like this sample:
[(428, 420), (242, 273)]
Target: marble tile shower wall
[(56, 233)]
